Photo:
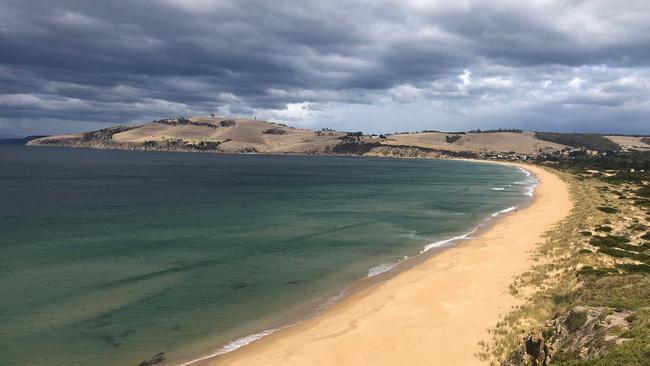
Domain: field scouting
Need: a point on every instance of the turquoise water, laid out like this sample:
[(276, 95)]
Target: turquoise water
[(109, 257)]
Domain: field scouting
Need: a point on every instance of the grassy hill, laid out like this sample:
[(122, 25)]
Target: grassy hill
[(216, 134), (520, 143), (240, 135)]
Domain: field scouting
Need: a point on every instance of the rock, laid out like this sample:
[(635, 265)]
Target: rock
[(580, 332), (156, 359)]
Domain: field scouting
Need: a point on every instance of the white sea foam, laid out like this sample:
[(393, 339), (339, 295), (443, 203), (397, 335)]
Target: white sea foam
[(380, 269), (440, 243), (465, 236), (531, 182), (505, 210), (498, 189), (528, 174), (243, 341)]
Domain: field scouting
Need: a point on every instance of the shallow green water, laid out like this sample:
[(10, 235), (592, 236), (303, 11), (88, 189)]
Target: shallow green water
[(109, 257)]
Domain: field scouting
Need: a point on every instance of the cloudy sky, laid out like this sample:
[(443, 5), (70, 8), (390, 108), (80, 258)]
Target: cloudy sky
[(376, 66)]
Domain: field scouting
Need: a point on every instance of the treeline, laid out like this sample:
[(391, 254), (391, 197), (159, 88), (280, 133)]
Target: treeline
[(352, 137), (589, 141), (354, 147), (105, 134), (181, 121), (512, 130), (184, 145), (446, 132), (635, 159)]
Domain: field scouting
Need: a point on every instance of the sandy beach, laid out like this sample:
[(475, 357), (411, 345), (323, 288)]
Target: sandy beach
[(435, 313)]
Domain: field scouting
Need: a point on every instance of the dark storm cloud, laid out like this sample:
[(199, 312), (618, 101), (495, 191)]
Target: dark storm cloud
[(312, 63)]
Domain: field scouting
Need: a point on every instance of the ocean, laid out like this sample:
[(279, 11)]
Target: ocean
[(111, 257)]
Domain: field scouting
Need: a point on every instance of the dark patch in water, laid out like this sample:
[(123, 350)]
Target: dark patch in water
[(238, 285)]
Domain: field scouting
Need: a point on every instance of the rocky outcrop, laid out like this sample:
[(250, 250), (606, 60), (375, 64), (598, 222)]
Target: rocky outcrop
[(579, 333)]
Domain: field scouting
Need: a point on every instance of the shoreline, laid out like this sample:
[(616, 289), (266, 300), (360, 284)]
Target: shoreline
[(259, 346)]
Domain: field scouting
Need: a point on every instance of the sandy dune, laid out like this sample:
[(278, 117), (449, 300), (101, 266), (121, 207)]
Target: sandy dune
[(433, 314)]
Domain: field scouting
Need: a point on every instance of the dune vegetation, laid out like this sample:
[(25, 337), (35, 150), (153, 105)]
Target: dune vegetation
[(587, 298)]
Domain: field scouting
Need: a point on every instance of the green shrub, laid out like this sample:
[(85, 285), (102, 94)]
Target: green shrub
[(575, 320), (605, 229), (275, 131), (620, 253), (590, 271), (634, 268), (643, 192), (607, 209)]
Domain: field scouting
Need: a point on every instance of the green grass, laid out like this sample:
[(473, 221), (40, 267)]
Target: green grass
[(628, 291)]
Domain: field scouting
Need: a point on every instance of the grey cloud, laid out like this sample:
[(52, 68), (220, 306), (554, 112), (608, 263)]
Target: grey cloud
[(311, 63)]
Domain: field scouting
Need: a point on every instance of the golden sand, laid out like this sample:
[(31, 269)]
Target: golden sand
[(432, 314)]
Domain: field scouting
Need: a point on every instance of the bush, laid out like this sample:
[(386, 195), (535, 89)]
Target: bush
[(452, 139), (227, 123), (275, 131), (643, 192), (605, 229), (575, 320), (607, 209)]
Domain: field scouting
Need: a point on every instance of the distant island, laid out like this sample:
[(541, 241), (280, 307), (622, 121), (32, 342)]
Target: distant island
[(239, 135)]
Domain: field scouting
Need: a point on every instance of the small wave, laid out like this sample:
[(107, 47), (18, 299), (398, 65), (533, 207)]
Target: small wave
[(506, 210), (380, 269), (440, 243), (531, 191), (331, 301), (528, 174), (498, 189), (531, 182), (243, 341)]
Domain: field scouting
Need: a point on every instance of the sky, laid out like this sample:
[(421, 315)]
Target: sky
[(375, 66)]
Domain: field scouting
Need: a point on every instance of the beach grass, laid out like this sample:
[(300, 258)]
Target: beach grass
[(598, 258)]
